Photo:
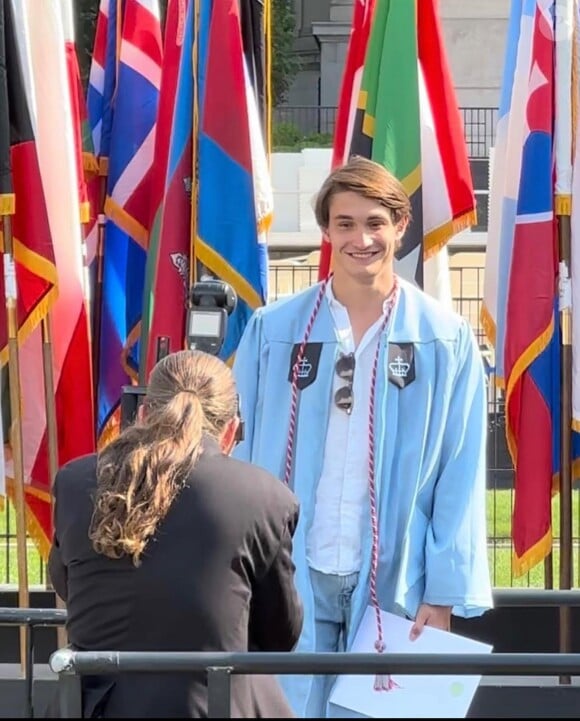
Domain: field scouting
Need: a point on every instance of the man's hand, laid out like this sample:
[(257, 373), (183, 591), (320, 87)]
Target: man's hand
[(427, 615)]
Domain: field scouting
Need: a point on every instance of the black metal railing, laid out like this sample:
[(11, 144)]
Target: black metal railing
[(220, 667), (289, 121), (29, 619), (292, 123)]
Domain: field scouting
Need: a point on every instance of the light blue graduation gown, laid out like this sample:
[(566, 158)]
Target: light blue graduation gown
[(430, 454)]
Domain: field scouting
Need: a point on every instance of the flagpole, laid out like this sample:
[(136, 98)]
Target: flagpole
[(49, 396), (193, 269), (565, 434), (16, 426), (549, 571), (197, 269), (565, 101), (51, 433), (98, 294)]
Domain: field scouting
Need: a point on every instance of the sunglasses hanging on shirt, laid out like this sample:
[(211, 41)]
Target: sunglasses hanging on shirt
[(344, 398)]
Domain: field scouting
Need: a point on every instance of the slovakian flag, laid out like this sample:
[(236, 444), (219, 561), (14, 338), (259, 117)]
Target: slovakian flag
[(406, 119), (169, 254), (520, 309), (21, 191), (42, 52)]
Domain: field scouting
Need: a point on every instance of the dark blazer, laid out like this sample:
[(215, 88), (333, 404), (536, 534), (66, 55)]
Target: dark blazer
[(217, 576)]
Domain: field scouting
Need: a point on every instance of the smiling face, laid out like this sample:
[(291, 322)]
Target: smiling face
[(363, 237)]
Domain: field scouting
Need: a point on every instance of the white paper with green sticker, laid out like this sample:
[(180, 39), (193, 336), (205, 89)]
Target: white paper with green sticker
[(415, 696)]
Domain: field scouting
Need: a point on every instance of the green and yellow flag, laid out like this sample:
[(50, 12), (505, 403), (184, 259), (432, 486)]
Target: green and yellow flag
[(403, 114)]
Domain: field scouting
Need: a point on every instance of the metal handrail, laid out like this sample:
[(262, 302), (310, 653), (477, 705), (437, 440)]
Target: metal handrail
[(535, 597), (32, 616), (68, 661), (71, 665)]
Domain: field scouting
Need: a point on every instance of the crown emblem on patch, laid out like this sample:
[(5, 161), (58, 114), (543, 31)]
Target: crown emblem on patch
[(304, 368), (399, 367)]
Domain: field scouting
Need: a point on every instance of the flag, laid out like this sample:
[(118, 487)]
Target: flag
[(43, 45), (87, 165), (437, 277), (221, 213), (407, 119), (127, 206), (21, 192), (520, 308), (99, 108), (234, 197), (22, 198), (168, 259), (96, 135), (103, 79), (86, 161)]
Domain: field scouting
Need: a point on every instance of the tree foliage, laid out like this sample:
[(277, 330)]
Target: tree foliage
[(285, 63), (85, 19)]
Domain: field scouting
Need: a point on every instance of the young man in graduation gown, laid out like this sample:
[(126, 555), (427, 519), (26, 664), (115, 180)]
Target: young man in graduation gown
[(368, 398)]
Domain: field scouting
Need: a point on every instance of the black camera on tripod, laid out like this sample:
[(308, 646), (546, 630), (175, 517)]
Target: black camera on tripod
[(211, 301), (210, 304)]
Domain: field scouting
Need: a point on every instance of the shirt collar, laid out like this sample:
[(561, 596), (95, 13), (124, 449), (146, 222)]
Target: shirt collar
[(334, 303)]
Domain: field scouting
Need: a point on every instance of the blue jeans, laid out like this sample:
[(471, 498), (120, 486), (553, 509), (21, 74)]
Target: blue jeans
[(332, 604)]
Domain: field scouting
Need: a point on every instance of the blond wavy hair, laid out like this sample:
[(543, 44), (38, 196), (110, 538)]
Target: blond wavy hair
[(139, 474)]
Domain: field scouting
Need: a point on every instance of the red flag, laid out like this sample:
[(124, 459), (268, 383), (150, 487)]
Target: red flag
[(71, 360), (168, 259), (21, 192), (85, 163)]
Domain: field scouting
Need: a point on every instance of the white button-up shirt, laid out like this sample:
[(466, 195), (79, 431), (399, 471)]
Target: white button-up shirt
[(342, 507)]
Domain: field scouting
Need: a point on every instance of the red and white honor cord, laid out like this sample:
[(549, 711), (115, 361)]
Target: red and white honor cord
[(383, 682)]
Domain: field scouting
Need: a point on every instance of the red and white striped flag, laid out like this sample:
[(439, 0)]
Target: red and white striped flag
[(42, 47)]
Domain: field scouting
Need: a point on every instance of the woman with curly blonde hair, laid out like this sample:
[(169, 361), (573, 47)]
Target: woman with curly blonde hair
[(163, 542)]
